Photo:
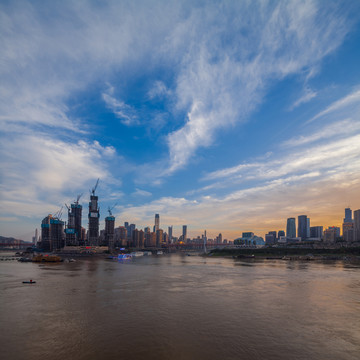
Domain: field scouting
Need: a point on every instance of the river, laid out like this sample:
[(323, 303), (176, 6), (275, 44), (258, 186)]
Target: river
[(180, 307)]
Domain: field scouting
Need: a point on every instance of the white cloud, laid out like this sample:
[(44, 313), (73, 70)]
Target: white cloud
[(140, 192), (126, 113), (351, 99), (338, 129), (39, 170), (306, 97), (222, 88)]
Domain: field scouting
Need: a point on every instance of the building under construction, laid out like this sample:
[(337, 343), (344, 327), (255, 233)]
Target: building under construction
[(52, 233), (94, 215), (73, 231), (109, 231)]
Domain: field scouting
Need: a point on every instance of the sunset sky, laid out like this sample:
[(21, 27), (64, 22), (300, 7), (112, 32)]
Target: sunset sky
[(229, 116)]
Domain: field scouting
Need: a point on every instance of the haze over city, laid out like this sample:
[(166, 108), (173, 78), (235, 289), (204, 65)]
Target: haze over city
[(225, 116)]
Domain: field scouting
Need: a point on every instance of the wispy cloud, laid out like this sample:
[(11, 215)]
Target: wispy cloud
[(126, 113), (351, 99), (140, 192), (306, 97), (284, 38), (338, 129)]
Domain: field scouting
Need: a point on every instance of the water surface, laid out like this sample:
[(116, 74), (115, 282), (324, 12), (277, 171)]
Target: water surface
[(180, 307)]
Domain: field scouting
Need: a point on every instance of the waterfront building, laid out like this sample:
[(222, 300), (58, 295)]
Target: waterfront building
[(170, 233), (348, 231), (52, 233), (348, 215), (357, 225), (248, 240), (316, 232), (184, 233), (159, 237), (109, 234), (290, 228), (120, 236), (270, 238), (157, 222), (330, 234), (247, 234), (280, 233), (94, 216), (274, 235), (308, 227), (302, 227), (150, 239)]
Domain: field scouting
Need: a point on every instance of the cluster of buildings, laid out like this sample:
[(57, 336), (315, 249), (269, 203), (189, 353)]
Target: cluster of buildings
[(56, 233), (305, 232)]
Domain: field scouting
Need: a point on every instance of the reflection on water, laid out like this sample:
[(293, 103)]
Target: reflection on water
[(177, 307)]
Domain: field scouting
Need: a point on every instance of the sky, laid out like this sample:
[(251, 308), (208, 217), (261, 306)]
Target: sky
[(228, 116)]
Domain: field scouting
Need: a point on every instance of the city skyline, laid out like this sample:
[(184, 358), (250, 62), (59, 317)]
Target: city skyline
[(229, 117)]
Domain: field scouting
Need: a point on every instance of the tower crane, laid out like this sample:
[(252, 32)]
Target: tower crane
[(110, 209), (94, 188)]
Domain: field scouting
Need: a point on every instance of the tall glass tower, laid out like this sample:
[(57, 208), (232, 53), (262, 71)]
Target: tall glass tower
[(302, 227), (290, 228)]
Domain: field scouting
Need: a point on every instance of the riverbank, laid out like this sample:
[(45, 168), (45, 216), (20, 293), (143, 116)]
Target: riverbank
[(345, 254)]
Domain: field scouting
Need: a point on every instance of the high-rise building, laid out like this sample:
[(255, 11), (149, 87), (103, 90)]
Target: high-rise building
[(290, 228), (157, 222), (109, 235), (120, 235), (73, 230), (330, 234), (348, 231), (270, 238), (52, 233), (302, 227), (280, 233), (159, 237), (316, 232), (273, 233), (357, 225), (348, 215), (170, 233), (94, 215), (184, 233), (308, 227)]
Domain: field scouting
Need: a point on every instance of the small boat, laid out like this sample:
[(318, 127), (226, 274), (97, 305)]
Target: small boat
[(29, 282)]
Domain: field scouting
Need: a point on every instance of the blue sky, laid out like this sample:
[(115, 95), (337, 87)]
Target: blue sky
[(222, 115)]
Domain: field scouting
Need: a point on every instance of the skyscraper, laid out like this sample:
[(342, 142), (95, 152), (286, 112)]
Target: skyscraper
[(290, 228), (308, 227), (109, 231), (184, 233), (94, 215), (302, 227), (348, 226), (348, 215), (170, 231), (157, 222), (357, 225)]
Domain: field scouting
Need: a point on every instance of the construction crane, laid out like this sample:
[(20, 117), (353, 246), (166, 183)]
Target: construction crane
[(110, 209), (94, 188), (58, 213), (78, 198)]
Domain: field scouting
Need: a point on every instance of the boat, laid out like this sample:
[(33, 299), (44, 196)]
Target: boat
[(46, 258), (29, 282)]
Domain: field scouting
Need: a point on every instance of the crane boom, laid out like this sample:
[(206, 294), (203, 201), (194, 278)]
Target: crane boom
[(95, 187)]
